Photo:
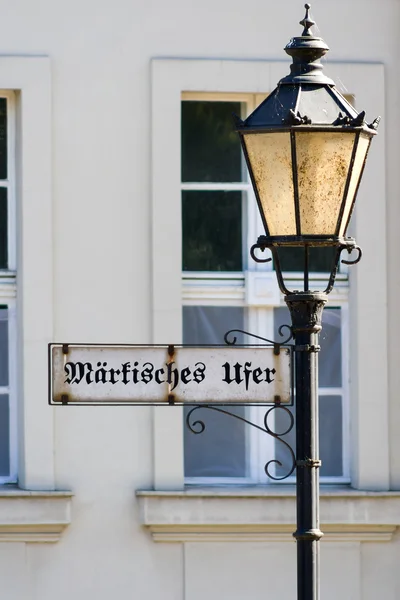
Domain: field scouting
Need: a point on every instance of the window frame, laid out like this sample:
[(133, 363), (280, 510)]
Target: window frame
[(28, 77), (8, 286), (259, 447), (170, 77)]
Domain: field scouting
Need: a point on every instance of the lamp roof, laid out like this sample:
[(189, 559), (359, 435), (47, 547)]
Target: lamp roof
[(306, 96), (302, 104)]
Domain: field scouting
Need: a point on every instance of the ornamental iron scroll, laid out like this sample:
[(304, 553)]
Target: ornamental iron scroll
[(274, 243), (198, 426)]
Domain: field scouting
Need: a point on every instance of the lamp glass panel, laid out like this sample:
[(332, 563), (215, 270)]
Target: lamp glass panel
[(359, 160), (270, 158), (323, 163)]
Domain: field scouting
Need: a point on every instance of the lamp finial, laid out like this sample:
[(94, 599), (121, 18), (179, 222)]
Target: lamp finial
[(307, 22)]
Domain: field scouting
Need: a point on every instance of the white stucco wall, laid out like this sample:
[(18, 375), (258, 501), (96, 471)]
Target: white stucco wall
[(100, 55)]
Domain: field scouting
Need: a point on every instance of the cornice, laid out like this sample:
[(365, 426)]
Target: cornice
[(33, 516), (265, 515)]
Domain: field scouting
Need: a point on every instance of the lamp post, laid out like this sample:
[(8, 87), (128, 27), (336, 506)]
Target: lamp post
[(305, 148)]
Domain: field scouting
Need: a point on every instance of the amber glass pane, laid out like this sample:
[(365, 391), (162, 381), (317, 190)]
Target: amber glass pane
[(3, 229), (210, 146), (362, 149), (270, 158), (323, 163), (211, 231)]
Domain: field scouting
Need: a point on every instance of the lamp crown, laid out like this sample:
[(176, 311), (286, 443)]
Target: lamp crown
[(306, 51), (307, 22)]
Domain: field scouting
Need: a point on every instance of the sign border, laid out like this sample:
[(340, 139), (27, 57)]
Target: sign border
[(289, 347)]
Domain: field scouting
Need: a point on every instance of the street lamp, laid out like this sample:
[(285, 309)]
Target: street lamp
[(305, 148)]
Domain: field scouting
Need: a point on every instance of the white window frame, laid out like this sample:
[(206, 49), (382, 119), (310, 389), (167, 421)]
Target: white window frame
[(170, 78), (259, 447), (29, 79), (8, 287)]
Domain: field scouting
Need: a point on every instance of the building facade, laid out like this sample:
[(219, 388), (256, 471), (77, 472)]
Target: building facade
[(126, 217)]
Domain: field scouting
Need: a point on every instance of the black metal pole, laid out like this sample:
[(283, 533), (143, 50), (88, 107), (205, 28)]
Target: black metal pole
[(306, 312)]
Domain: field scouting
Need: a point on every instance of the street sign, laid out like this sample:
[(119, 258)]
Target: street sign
[(159, 375)]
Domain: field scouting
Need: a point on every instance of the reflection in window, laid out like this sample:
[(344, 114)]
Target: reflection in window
[(220, 451), (4, 394), (211, 231), (330, 396), (210, 146), (211, 162)]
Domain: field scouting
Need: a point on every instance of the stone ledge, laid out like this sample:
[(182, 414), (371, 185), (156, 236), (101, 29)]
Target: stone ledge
[(265, 514), (33, 516)]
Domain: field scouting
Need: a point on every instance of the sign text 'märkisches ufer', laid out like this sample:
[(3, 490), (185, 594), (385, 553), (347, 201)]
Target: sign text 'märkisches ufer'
[(111, 374)]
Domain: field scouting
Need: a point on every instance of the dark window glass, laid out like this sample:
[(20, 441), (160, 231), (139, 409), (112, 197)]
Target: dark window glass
[(3, 229), (210, 146), (3, 346), (3, 138), (320, 259), (4, 436), (220, 451), (212, 231)]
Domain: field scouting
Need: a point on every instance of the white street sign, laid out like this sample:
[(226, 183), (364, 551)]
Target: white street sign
[(110, 374)]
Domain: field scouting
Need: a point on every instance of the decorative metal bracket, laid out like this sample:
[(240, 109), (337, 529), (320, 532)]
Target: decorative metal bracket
[(273, 245), (198, 426), (233, 341), (296, 119)]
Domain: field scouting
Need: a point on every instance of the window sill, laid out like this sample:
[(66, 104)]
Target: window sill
[(266, 514), (31, 516)]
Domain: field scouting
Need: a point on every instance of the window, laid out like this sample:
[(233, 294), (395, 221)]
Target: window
[(367, 361), (26, 85), (219, 218), (8, 412)]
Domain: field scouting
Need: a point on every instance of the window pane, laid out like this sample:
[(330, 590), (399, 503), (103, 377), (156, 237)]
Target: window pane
[(212, 231), (3, 346), (330, 406), (220, 451), (331, 442), (330, 357), (320, 259), (330, 438), (330, 339), (208, 324), (4, 436), (210, 146), (3, 229), (3, 138)]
